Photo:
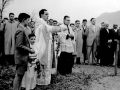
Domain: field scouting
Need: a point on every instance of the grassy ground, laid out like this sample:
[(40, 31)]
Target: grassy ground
[(82, 78)]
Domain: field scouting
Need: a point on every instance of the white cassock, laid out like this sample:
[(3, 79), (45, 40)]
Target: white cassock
[(43, 50)]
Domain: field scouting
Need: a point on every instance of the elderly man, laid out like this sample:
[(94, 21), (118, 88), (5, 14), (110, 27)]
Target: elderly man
[(114, 43), (106, 40)]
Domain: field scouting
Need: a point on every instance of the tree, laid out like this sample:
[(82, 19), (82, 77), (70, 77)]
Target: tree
[(5, 3), (33, 15)]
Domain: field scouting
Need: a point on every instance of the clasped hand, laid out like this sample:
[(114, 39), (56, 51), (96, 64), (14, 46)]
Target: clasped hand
[(109, 41)]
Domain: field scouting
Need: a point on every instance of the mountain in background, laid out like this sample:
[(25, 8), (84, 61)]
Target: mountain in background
[(112, 18)]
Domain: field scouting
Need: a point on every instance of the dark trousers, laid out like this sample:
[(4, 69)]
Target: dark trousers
[(84, 49), (17, 82), (107, 57), (65, 63), (20, 71), (9, 59)]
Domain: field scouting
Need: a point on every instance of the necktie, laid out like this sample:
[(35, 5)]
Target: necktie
[(68, 29), (84, 28)]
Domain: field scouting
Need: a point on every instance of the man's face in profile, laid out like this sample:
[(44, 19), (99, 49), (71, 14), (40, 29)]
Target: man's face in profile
[(45, 15)]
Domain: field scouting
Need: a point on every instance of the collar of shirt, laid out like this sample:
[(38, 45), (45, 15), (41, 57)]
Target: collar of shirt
[(115, 30), (107, 30), (93, 26), (22, 26), (84, 26)]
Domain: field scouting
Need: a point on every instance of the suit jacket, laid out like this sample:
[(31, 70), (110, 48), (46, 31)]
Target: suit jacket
[(105, 36), (83, 32), (115, 36), (92, 35), (22, 46)]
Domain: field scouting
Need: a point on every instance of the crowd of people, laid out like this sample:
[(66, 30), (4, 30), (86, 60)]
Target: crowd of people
[(44, 47)]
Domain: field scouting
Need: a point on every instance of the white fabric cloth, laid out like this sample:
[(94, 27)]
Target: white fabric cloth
[(79, 42), (29, 79), (43, 47), (66, 45)]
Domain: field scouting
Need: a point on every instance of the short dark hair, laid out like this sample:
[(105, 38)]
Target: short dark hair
[(102, 22), (77, 21), (11, 14), (72, 24), (41, 12), (51, 20), (66, 17), (92, 19), (6, 18), (31, 35), (23, 16), (84, 20), (55, 21), (16, 18)]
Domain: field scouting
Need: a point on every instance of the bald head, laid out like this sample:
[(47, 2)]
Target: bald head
[(106, 25)]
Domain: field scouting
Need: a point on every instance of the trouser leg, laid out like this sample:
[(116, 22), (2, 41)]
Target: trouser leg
[(17, 82)]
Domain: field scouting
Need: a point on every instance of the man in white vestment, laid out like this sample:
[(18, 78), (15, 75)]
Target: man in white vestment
[(43, 43)]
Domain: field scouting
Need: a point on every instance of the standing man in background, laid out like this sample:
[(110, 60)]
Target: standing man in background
[(79, 41), (9, 33), (92, 34), (84, 37)]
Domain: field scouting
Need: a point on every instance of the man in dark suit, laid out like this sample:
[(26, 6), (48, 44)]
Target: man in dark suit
[(115, 41), (84, 47), (105, 45), (119, 47), (22, 50)]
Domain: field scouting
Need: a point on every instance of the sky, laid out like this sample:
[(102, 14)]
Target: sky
[(76, 9)]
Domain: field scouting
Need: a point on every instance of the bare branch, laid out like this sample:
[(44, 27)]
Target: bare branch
[(5, 3)]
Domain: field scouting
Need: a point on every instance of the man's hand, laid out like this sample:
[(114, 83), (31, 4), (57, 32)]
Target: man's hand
[(116, 40), (109, 41), (32, 51)]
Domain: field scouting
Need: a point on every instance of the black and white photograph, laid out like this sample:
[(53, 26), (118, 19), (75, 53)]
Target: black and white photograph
[(59, 44)]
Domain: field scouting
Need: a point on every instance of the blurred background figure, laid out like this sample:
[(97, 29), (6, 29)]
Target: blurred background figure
[(51, 22), (9, 32), (84, 37), (55, 23), (1, 41), (5, 20), (79, 41), (103, 25)]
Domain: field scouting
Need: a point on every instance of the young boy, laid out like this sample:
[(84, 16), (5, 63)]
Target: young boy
[(29, 80)]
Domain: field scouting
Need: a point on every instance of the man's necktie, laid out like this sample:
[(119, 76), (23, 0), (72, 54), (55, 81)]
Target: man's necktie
[(68, 29)]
